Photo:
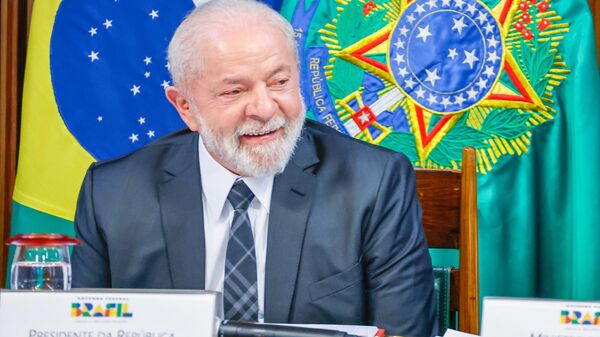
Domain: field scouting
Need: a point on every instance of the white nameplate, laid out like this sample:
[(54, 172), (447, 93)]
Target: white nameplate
[(109, 313), (512, 317)]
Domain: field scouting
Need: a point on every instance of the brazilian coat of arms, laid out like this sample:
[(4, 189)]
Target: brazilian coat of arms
[(428, 77)]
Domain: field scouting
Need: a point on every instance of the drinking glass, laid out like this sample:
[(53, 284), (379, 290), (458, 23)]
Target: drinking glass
[(41, 261)]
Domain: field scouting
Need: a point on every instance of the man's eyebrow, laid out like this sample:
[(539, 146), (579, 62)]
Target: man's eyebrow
[(283, 67), (230, 80)]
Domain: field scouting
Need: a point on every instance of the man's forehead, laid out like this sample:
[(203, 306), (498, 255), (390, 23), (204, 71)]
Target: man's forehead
[(230, 55)]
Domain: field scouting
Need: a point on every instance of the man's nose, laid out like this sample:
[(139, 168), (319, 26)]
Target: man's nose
[(263, 105)]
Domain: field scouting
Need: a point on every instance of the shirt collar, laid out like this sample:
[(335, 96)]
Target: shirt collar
[(217, 182)]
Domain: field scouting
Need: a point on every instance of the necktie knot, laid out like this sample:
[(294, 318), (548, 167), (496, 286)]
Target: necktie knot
[(240, 196)]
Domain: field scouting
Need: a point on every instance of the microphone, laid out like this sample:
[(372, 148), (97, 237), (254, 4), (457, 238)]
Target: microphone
[(247, 329)]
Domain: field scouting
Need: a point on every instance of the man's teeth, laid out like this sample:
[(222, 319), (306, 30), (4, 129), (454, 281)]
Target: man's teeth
[(259, 133)]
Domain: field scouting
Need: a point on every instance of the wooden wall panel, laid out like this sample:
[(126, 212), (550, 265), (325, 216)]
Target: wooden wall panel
[(8, 114), (13, 36)]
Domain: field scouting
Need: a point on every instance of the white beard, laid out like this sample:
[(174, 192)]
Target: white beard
[(254, 161)]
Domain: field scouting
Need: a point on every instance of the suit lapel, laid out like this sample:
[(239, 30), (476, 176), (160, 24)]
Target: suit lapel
[(290, 206), (180, 196)]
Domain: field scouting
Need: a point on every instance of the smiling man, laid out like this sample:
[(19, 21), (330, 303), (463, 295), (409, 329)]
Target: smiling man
[(291, 221), (241, 94)]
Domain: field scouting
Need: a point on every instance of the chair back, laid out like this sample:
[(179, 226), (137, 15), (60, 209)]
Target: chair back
[(449, 202)]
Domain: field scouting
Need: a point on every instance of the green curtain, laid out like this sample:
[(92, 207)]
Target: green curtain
[(539, 224)]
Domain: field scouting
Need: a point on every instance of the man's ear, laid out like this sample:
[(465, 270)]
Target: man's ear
[(180, 102)]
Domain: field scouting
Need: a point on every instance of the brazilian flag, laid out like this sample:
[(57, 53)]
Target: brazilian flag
[(93, 90)]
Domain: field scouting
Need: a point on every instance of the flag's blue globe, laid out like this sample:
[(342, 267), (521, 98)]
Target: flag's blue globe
[(109, 69), (446, 55)]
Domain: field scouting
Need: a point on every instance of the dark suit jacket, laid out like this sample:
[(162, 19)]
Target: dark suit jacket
[(345, 241)]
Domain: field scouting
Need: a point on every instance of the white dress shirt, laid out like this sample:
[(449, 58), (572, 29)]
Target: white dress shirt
[(218, 215)]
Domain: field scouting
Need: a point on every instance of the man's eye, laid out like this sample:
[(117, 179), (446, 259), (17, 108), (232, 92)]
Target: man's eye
[(233, 92), (281, 82)]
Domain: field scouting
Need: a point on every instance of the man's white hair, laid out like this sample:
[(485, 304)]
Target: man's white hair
[(185, 48)]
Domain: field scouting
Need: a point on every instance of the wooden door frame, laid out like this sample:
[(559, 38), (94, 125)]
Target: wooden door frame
[(14, 19), (595, 7)]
